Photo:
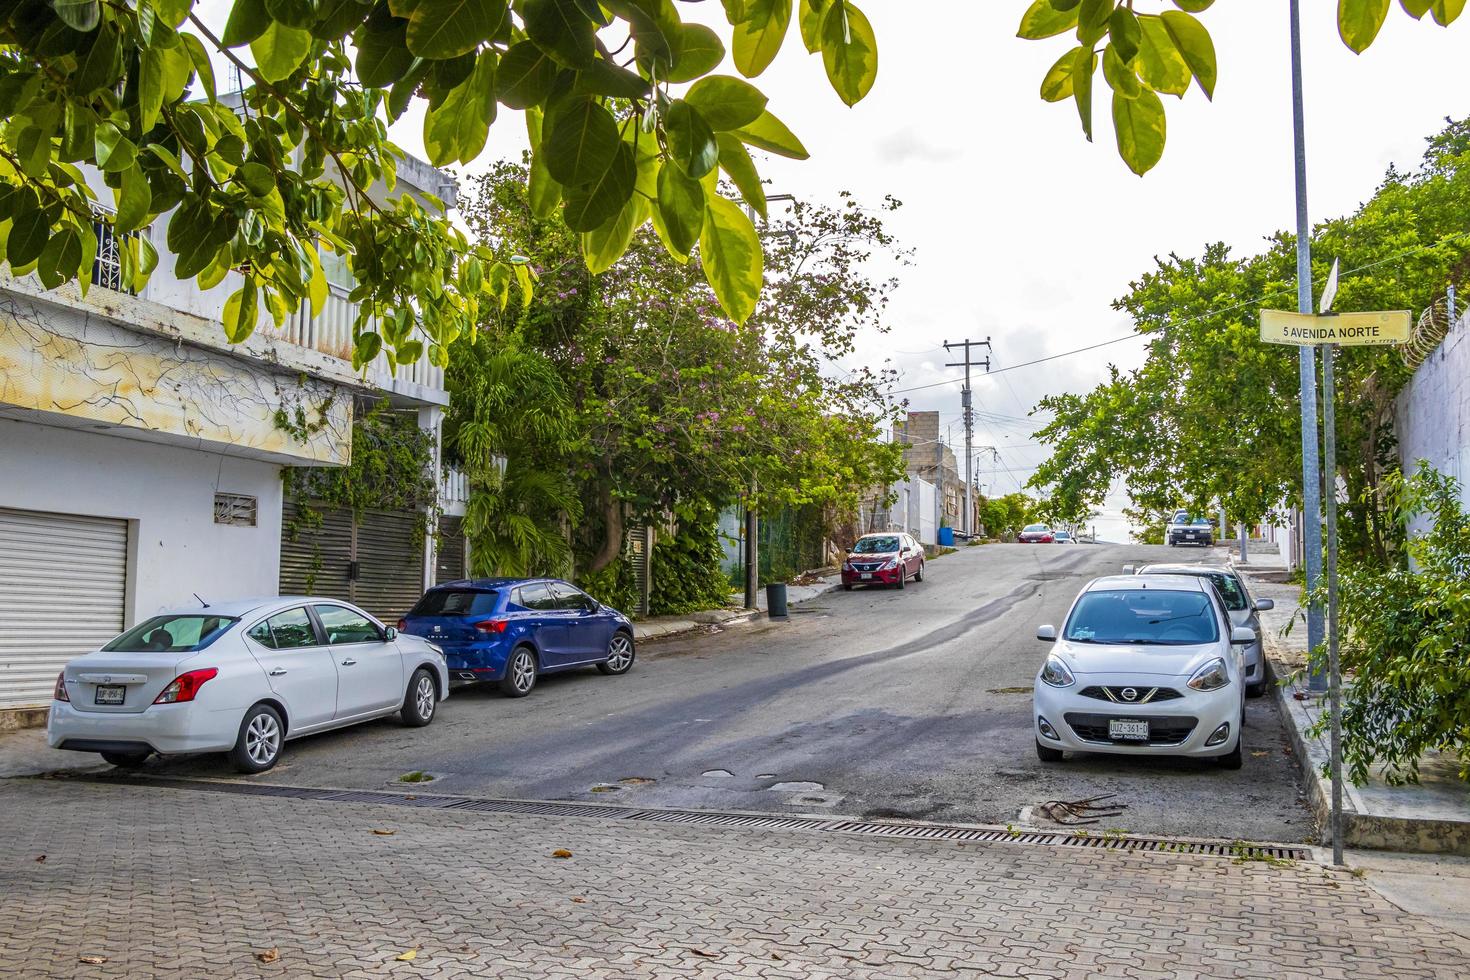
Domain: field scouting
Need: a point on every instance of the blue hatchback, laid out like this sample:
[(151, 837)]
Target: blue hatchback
[(511, 630)]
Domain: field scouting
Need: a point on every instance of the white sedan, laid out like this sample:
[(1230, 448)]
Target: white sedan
[(242, 678), (1146, 664)]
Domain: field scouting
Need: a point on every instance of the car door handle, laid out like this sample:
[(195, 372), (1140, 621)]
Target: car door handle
[(348, 662), (278, 671)]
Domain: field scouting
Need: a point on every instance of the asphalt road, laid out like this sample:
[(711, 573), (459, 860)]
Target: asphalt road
[(882, 703)]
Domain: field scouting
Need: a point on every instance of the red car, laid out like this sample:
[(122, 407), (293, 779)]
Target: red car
[(883, 559), (1036, 534)]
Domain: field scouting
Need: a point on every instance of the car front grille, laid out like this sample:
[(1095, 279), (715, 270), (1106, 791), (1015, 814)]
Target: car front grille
[(1142, 694), (866, 566), (1162, 729)]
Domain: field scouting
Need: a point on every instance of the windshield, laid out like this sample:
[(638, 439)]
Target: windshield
[(456, 602), (1034, 527), (1143, 616), (876, 546), (172, 634)]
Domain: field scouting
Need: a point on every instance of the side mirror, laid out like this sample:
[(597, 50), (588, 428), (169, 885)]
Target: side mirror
[(1242, 636), (1263, 604), (390, 633), (1130, 569), (1049, 633)]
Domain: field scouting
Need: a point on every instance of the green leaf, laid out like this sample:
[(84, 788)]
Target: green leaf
[(150, 87), (409, 352), (525, 76), (456, 129), (735, 161), (365, 350), (849, 52), (1159, 62), (113, 151), (770, 134), (1194, 6), (79, 15), (134, 198), (726, 102), (29, 230), (700, 52), (60, 258), (301, 14), (382, 50), (809, 17), (248, 20), (542, 189), (173, 12), (1120, 77), (338, 17), (280, 51), (1085, 63), (581, 145), (200, 59), (1194, 44), (449, 28), (562, 30), (730, 252), (1043, 20), (1057, 83), (1139, 123), (1124, 33), (681, 205), (602, 77), (590, 205), (1416, 8), (241, 312), (1092, 20), (692, 145), (606, 244), (1358, 22), (758, 37), (1446, 12)]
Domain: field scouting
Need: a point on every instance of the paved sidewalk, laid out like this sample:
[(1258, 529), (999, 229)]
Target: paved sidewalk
[(177, 883), (658, 626)]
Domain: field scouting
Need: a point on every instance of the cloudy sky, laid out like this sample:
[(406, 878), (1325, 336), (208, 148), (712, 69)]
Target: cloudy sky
[(1023, 231)]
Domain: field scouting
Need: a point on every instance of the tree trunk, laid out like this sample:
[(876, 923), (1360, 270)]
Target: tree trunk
[(612, 543)]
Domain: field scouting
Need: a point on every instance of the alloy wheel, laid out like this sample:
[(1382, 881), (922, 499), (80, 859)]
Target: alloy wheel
[(424, 696), (523, 671), (620, 653), (262, 739)]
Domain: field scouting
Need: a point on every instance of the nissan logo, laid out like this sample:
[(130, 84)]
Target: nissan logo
[(1129, 694)]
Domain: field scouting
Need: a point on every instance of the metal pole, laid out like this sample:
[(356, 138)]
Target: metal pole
[(1245, 557), (752, 555), (1306, 360), (969, 458), (1334, 689)]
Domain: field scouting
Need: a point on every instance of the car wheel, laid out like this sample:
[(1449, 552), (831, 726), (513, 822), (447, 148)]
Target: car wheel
[(1046, 753), (520, 673), (1255, 690), (125, 760), (1231, 759), (258, 746), (847, 586), (903, 577), (619, 655), (919, 575), (421, 700)]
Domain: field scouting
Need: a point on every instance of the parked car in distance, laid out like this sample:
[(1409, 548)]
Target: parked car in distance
[(1063, 537), (1244, 611), (1144, 664), (510, 631), (1185, 528), (243, 678), (1036, 534), (888, 558)]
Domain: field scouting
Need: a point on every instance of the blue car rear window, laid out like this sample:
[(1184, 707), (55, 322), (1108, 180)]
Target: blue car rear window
[(456, 602)]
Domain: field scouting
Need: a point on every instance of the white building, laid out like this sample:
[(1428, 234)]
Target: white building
[(141, 461)]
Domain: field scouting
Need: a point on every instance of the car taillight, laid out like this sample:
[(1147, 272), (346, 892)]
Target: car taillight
[(185, 686), (60, 692), (403, 626), (491, 626)]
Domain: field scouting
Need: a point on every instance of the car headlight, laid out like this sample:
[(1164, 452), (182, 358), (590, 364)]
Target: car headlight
[(1056, 674), (890, 563), (1211, 677)]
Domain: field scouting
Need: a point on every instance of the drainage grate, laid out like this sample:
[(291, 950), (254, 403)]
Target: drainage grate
[(734, 821)]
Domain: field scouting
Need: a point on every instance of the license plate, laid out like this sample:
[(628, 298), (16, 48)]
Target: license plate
[(866, 574), (110, 694), (1128, 731)]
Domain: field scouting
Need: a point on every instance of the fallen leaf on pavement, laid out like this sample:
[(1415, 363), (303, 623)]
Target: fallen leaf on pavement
[(561, 852), (703, 952), (777, 956), (1261, 753), (268, 955), (94, 960), (579, 900), (385, 833), (41, 859), (407, 955)]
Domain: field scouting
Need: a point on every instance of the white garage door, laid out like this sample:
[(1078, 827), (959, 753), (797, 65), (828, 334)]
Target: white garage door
[(63, 581)]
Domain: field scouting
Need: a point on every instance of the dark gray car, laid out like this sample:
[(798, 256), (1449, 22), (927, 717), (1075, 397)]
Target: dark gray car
[(1244, 611)]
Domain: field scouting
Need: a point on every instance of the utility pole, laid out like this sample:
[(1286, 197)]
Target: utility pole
[(967, 403)]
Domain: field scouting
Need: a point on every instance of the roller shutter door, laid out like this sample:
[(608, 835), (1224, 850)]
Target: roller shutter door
[(375, 561), (315, 559), (63, 585), (450, 555)]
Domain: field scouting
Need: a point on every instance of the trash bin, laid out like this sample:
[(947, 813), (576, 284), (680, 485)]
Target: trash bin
[(776, 600), (946, 537)]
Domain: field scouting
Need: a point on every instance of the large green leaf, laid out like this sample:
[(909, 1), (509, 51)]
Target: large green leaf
[(200, 59), (1123, 33), (134, 198), (592, 204), (60, 258), (1195, 46), (681, 205), (758, 37), (79, 15), (562, 30), (770, 134), (241, 312), (603, 246), (382, 50), (1120, 77), (692, 145), (542, 189), (735, 161), (1139, 123), (29, 229), (1158, 61), (525, 76), (150, 87), (809, 17), (280, 51), (726, 102), (730, 252), (1056, 85), (449, 28), (1447, 12), (247, 21), (603, 77), (1358, 21), (580, 145), (849, 52), (1042, 20), (458, 127), (1082, 70), (700, 52)]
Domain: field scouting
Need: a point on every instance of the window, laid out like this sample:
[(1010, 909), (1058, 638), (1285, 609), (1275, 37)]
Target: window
[(347, 625), (1230, 590), (107, 269), (456, 602), (285, 630), (882, 545), (572, 599), (535, 596), (234, 508), (1154, 616), (172, 634)]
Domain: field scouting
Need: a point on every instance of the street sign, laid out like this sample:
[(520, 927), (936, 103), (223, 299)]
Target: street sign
[(1373, 329)]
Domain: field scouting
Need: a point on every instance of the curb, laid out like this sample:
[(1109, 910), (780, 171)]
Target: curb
[(698, 620)]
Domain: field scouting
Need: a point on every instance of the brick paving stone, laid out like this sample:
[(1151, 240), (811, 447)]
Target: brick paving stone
[(180, 884)]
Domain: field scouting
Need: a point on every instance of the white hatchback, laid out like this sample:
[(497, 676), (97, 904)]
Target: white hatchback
[(242, 678), (1146, 664)]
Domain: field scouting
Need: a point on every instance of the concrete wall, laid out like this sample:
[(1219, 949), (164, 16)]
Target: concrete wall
[(167, 493), (1433, 411)]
